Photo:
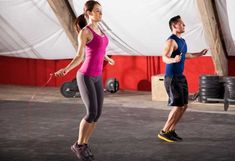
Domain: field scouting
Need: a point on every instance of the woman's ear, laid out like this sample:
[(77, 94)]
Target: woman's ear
[(89, 13)]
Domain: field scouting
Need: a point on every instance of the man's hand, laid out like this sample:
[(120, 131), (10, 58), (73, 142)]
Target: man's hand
[(177, 58), (204, 51)]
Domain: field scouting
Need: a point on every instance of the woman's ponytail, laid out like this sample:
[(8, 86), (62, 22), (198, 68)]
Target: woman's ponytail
[(80, 22)]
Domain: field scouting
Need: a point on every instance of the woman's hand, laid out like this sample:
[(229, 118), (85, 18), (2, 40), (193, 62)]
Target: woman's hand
[(60, 73), (111, 61), (108, 59)]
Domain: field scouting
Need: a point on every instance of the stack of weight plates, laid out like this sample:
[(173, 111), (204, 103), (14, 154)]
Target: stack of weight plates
[(229, 84), (229, 95), (210, 86)]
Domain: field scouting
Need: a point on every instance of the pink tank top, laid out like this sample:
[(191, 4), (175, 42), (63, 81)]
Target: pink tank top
[(94, 55)]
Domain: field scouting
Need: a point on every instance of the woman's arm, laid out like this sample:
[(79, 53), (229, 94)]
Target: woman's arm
[(110, 60), (82, 39)]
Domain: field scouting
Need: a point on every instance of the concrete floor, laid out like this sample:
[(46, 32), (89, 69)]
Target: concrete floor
[(42, 128)]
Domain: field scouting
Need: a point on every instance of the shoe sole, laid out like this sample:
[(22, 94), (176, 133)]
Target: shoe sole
[(165, 139), (178, 139)]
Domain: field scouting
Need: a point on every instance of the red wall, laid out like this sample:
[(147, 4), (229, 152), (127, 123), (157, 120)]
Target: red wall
[(133, 72)]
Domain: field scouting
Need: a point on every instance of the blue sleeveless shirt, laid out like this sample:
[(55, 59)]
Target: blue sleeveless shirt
[(177, 69)]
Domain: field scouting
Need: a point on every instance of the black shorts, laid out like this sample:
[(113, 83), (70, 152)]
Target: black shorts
[(177, 90)]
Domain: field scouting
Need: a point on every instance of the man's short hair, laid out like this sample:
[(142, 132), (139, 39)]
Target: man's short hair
[(174, 20)]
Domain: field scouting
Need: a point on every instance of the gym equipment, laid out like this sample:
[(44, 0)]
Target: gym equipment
[(229, 95), (217, 89), (210, 88), (112, 85), (70, 89)]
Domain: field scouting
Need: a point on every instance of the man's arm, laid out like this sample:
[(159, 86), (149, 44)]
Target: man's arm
[(169, 48), (195, 55)]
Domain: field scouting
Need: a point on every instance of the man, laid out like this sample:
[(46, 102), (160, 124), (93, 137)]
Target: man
[(174, 55)]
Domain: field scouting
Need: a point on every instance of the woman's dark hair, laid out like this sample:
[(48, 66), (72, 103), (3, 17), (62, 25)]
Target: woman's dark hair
[(81, 20), (174, 20)]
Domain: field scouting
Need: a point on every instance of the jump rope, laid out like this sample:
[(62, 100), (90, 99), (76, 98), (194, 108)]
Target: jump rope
[(44, 85)]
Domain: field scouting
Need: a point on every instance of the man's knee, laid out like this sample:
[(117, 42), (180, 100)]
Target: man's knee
[(184, 108)]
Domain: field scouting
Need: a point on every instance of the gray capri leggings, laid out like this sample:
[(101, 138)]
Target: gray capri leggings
[(92, 93)]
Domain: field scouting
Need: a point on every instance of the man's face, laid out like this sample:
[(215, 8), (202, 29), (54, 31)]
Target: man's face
[(179, 27)]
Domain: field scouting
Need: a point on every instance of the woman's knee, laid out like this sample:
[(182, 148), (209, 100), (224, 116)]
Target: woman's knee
[(97, 116), (90, 117)]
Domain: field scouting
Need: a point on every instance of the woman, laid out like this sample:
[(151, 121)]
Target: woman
[(93, 42), (80, 23)]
